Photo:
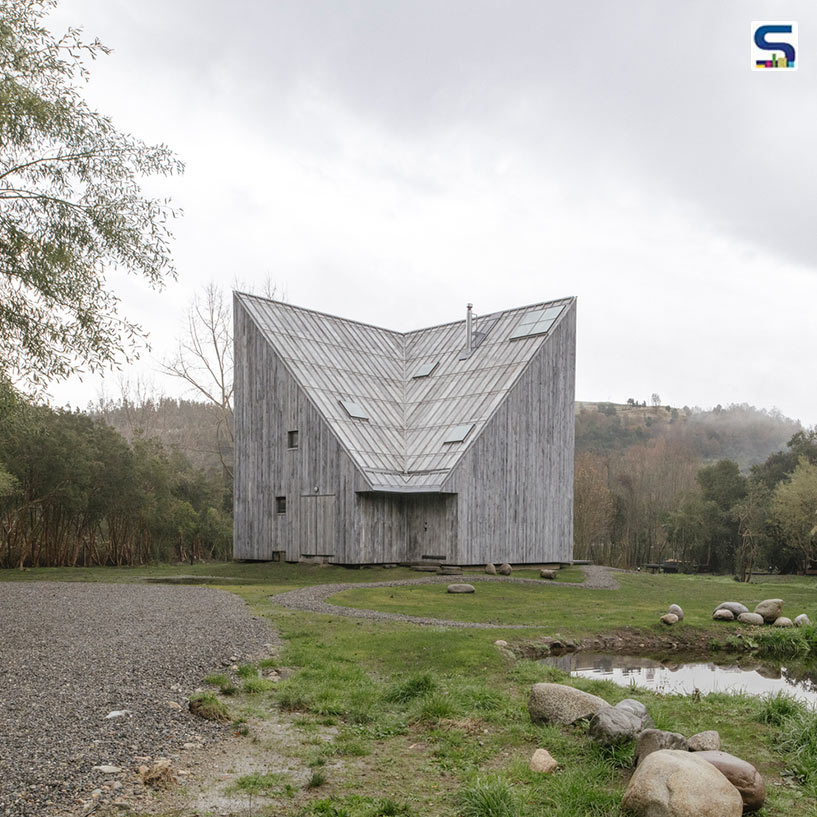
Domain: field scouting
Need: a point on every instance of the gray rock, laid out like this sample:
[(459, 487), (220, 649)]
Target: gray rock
[(504, 569), (490, 569), (676, 610), (751, 618), (653, 740), (802, 621), (612, 726), (547, 574), (709, 741), (722, 614), (734, 607), (542, 761), (460, 588), (671, 783), (782, 621), (742, 775), (637, 708), (669, 619), (770, 609), (558, 703)]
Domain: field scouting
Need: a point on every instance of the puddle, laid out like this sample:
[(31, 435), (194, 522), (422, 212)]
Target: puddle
[(673, 677)]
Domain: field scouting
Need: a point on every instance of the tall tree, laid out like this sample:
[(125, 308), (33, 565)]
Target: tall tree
[(795, 508), (71, 207)]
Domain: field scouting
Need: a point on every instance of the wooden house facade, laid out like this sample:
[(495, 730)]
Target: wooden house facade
[(361, 445)]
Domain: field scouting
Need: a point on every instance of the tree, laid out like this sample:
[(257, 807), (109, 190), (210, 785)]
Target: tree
[(795, 509), (71, 207), (592, 506), (204, 359)]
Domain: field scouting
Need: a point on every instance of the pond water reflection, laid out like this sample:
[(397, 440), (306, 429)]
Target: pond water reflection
[(682, 678)]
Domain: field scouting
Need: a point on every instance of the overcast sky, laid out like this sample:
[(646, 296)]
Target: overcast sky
[(390, 161)]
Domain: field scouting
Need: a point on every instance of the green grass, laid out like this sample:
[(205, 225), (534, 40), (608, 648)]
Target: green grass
[(641, 600), (487, 797), (206, 705), (405, 720)]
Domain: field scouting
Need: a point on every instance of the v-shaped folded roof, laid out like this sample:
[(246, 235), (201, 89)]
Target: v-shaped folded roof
[(403, 426)]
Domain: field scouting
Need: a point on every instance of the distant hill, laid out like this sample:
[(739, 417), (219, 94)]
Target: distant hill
[(738, 432)]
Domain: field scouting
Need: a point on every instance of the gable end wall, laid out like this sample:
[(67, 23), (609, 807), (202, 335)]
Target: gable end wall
[(268, 404)]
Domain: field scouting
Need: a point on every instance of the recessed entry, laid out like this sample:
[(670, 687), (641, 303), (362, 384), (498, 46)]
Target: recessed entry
[(354, 410), (425, 369), (536, 322), (458, 433)]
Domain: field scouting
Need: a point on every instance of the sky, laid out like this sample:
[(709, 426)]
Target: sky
[(390, 161)]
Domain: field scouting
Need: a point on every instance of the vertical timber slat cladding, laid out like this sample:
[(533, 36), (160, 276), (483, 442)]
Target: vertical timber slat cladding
[(516, 479), (387, 487)]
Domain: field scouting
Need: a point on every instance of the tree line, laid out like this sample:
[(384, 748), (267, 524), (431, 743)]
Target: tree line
[(657, 499), (73, 491)]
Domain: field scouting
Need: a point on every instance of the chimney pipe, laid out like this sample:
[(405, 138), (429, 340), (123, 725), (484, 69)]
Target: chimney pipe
[(468, 328)]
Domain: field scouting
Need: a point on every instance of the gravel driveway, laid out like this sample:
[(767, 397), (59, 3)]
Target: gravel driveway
[(70, 653)]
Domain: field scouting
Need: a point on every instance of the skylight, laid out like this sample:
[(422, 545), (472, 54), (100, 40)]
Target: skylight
[(425, 369), (458, 433), (354, 410), (536, 322)]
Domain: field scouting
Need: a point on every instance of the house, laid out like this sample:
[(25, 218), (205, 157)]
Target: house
[(361, 445)]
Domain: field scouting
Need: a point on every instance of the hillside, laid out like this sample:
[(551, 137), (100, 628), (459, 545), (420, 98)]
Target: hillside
[(738, 432)]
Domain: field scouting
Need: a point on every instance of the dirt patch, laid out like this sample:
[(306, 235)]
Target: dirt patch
[(623, 640)]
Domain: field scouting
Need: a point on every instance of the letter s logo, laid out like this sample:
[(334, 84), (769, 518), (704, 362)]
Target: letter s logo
[(762, 43)]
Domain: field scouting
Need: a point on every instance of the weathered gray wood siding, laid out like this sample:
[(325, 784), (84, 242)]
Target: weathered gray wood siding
[(318, 478), (515, 481), (406, 527)]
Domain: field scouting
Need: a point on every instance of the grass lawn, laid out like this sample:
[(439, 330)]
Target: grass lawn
[(433, 721)]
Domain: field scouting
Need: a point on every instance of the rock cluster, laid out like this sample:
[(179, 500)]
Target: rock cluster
[(675, 776), (673, 615), (768, 611)]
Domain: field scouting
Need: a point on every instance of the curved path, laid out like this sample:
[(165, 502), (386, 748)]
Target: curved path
[(313, 598)]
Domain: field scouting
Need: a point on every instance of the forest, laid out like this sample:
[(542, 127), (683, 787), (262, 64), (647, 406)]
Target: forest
[(145, 478)]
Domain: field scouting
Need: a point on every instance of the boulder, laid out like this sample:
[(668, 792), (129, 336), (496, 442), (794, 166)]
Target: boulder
[(612, 726), (669, 619), (734, 607), (490, 569), (709, 741), (547, 574), (504, 569), (672, 783), (802, 621), (653, 740), (460, 588), (558, 703), (770, 609), (750, 618), (741, 774), (542, 761), (676, 610), (782, 621), (637, 708), (722, 614)]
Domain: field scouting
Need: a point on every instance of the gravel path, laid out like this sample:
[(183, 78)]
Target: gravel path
[(70, 653), (313, 598)]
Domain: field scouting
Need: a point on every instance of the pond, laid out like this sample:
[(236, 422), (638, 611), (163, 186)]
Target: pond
[(683, 678)]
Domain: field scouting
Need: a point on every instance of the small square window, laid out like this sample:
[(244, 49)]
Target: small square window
[(280, 504), (292, 439)]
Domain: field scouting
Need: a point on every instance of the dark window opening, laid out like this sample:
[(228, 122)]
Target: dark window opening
[(292, 439), (280, 504)]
